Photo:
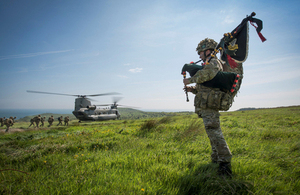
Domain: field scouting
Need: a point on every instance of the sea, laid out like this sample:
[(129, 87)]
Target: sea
[(21, 113)]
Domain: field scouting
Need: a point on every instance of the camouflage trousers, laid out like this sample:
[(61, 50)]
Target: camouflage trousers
[(220, 149)]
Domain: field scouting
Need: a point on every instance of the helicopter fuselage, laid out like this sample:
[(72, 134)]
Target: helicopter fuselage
[(85, 114), (85, 111)]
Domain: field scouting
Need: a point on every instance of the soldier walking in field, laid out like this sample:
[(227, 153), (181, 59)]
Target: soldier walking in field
[(66, 120), (8, 122), (60, 120), (13, 120), (2, 121), (208, 101), (37, 120), (42, 121), (31, 122), (50, 121)]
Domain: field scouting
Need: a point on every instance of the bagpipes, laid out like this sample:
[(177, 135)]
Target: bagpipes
[(234, 50), (223, 80)]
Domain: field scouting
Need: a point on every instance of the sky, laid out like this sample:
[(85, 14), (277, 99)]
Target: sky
[(137, 48)]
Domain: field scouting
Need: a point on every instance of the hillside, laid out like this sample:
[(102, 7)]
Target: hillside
[(165, 155), (126, 114), (129, 113)]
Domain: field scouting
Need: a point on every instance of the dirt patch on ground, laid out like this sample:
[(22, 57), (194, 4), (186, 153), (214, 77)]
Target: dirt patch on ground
[(12, 130)]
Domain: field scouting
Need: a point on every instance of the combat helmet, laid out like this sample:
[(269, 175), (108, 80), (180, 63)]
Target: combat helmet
[(206, 44)]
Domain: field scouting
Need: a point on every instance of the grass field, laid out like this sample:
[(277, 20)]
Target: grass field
[(169, 155)]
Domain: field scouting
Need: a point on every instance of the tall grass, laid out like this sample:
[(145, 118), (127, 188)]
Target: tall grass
[(169, 155)]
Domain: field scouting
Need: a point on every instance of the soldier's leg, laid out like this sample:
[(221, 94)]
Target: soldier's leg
[(212, 125), (219, 146), (7, 127), (214, 154)]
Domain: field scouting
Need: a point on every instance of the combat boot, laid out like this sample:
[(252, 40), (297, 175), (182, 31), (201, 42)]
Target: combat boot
[(225, 169)]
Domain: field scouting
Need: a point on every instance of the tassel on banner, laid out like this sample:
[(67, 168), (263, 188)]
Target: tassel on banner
[(231, 62), (262, 38)]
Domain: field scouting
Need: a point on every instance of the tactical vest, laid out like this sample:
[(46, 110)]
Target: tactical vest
[(214, 98)]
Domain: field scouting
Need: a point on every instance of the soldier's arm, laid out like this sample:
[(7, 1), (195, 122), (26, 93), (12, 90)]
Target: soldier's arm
[(207, 73)]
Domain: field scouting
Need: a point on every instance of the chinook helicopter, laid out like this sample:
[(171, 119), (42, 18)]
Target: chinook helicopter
[(85, 111)]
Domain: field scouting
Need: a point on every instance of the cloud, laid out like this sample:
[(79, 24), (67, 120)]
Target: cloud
[(122, 76), (135, 70), (29, 55), (228, 20)]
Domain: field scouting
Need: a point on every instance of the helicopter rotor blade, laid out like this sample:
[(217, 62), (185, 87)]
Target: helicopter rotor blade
[(114, 104), (124, 106), (113, 93), (102, 94), (29, 91), (117, 99)]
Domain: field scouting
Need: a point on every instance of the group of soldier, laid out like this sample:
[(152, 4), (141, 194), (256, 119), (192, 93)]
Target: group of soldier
[(37, 119), (8, 122)]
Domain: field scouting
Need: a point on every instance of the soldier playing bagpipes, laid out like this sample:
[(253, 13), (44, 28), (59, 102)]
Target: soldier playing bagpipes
[(217, 82)]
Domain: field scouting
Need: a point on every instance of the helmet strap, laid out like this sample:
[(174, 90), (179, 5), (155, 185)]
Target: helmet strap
[(207, 55)]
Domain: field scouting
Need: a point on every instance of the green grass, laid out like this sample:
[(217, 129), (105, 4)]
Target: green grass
[(169, 155)]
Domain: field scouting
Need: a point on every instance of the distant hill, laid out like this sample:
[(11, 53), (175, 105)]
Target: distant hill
[(129, 113), (243, 109), (126, 114)]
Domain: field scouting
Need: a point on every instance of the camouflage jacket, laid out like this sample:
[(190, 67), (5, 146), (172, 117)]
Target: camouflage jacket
[(212, 98), (50, 119)]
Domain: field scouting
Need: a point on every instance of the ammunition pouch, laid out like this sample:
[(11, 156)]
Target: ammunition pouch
[(213, 99)]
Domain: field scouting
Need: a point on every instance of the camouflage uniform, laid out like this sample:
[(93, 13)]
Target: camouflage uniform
[(31, 122), (8, 122), (208, 101), (42, 121), (13, 120), (50, 121), (66, 121), (2, 121), (37, 120), (60, 119)]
